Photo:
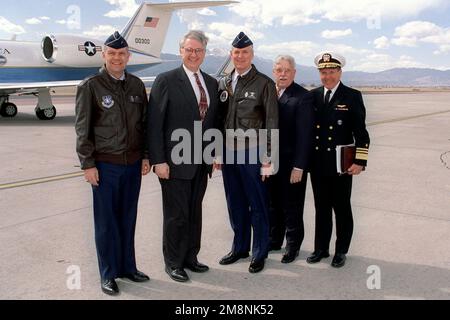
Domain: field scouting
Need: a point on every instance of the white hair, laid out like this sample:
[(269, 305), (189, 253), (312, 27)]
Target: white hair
[(287, 58), (195, 35)]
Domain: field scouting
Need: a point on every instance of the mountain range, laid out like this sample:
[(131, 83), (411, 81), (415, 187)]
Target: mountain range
[(398, 77)]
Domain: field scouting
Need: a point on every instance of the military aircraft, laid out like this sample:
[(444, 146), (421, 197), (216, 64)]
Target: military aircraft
[(34, 68)]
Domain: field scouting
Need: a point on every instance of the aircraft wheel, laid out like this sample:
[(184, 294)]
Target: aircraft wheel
[(8, 110), (46, 114)]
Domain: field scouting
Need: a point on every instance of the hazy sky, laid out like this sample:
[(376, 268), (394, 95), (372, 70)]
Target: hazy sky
[(373, 35)]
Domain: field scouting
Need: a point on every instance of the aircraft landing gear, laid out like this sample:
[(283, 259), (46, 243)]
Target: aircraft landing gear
[(8, 110), (45, 110), (45, 114)]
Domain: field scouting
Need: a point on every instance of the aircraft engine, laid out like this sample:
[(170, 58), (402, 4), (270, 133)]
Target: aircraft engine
[(71, 51)]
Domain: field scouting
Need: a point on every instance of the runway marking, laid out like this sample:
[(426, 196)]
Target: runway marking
[(30, 182), (406, 118)]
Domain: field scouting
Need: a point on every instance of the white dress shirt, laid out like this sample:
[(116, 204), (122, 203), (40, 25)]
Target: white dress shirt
[(333, 91), (235, 77), (194, 84)]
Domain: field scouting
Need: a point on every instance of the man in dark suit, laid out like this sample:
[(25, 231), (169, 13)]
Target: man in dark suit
[(287, 188), (184, 98), (340, 120)]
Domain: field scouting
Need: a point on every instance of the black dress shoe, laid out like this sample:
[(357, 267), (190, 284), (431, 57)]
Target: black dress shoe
[(196, 267), (110, 287), (317, 256), (338, 260), (274, 247), (256, 266), (289, 256), (137, 277), (177, 274), (232, 257)]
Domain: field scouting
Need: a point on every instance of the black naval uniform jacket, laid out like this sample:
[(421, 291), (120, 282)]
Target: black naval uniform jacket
[(342, 122), (110, 119), (253, 105)]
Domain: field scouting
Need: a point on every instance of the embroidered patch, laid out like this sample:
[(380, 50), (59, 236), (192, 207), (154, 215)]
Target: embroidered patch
[(224, 96), (107, 102)]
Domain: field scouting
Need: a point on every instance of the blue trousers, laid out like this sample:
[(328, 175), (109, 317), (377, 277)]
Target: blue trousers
[(115, 212), (247, 202)]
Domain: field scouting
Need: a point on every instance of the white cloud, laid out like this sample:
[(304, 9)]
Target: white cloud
[(417, 29), (9, 27), (62, 21), (222, 34), (333, 34), (381, 42), (207, 12), (100, 31), (378, 62), (33, 21), (194, 18), (298, 49), (345, 49), (405, 41), (413, 32), (44, 18), (125, 8), (301, 12)]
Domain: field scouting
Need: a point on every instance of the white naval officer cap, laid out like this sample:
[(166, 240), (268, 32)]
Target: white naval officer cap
[(329, 59)]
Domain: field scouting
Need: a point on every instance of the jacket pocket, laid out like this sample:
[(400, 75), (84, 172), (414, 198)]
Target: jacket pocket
[(246, 123), (105, 139)]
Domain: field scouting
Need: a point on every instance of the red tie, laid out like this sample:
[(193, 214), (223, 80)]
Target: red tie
[(203, 105)]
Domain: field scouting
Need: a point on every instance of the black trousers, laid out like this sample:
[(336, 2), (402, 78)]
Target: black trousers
[(333, 193), (286, 203), (182, 210)]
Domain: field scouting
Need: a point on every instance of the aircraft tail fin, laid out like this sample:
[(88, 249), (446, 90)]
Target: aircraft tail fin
[(147, 29)]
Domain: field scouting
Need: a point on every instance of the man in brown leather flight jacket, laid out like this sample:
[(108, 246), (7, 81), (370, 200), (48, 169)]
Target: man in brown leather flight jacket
[(249, 102), (110, 121)]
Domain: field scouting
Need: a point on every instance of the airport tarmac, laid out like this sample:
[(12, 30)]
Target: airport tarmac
[(401, 210)]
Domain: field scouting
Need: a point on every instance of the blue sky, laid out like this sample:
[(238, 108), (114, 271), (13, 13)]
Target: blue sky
[(373, 35)]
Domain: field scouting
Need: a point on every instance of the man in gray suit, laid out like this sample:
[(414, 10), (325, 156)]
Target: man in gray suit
[(181, 99)]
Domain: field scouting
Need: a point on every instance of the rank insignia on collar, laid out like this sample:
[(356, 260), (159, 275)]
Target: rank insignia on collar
[(342, 106), (224, 96), (107, 102)]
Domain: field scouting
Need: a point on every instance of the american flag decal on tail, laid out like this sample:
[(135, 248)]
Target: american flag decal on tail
[(151, 22)]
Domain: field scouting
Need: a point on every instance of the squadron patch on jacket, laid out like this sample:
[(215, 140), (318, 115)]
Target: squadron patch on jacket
[(107, 102), (224, 96)]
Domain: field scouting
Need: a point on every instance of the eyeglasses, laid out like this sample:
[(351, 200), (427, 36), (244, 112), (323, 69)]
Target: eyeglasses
[(192, 50)]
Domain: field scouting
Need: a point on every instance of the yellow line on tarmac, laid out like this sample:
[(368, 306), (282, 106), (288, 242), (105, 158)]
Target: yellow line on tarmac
[(40, 180)]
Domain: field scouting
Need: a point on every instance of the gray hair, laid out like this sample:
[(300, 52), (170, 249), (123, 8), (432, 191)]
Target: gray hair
[(195, 35), (287, 58)]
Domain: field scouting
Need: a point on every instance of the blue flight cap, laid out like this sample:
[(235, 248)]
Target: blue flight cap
[(242, 41), (116, 41)]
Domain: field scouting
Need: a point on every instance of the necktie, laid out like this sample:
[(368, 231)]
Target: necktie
[(235, 83), (203, 105), (279, 93), (327, 97)]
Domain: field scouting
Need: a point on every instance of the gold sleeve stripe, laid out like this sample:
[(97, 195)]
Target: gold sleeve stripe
[(362, 156)]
